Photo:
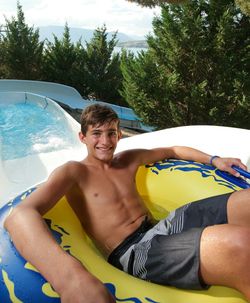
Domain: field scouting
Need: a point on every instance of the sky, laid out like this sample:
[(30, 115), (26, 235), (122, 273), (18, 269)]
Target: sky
[(117, 15)]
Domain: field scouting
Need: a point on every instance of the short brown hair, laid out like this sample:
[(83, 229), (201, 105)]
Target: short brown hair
[(97, 114)]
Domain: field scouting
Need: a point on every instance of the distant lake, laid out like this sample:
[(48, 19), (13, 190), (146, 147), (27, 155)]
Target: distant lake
[(134, 50)]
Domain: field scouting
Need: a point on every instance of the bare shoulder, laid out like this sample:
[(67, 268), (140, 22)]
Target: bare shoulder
[(65, 176), (130, 157), (59, 183), (142, 156), (70, 168)]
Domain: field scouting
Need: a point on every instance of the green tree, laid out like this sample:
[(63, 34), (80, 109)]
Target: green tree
[(243, 4), (21, 49), (2, 65), (104, 76), (196, 70), (61, 61), (152, 3)]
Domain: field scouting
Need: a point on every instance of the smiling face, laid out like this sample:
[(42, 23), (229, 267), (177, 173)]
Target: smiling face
[(97, 115), (101, 140)]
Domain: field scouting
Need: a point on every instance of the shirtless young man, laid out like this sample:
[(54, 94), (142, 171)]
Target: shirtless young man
[(101, 190)]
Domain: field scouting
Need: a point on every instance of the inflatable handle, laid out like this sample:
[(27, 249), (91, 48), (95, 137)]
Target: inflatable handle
[(243, 172)]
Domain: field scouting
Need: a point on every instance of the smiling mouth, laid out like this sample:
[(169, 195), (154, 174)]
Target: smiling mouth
[(104, 148)]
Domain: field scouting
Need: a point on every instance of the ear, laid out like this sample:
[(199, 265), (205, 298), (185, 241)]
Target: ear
[(119, 134), (81, 137)]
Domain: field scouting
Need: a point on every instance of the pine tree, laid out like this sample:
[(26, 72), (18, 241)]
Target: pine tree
[(196, 70), (22, 51), (2, 65), (103, 68), (60, 62), (243, 4), (152, 3)]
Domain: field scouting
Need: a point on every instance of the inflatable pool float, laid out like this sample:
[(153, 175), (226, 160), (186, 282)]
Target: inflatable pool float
[(163, 186)]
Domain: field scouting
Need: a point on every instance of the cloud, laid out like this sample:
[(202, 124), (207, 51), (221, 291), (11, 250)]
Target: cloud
[(118, 15)]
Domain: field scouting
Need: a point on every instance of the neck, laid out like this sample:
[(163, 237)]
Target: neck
[(89, 160)]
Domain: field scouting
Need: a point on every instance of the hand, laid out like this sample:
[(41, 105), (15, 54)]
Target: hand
[(226, 164), (86, 290)]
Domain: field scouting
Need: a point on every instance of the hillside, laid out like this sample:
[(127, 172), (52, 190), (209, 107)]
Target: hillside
[(134, 44), (46, 32)]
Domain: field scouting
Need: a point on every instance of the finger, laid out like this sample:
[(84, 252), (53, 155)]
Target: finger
[(237, 162), (243, 166), (112, 299), (243, 173), (233, 172)]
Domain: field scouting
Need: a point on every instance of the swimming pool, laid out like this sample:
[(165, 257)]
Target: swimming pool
[(28, 129), (36, 136)]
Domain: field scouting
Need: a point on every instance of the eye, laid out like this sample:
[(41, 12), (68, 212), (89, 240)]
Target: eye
[(96, 134), (113, 133)]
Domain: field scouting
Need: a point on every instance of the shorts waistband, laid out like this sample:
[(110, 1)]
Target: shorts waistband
[(133, 238)]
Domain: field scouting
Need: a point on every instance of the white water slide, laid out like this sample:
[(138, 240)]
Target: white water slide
[(16, 175)]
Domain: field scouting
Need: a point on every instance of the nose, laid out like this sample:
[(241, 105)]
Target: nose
[(105, 139)]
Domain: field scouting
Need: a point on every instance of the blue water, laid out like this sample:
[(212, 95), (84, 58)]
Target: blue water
[(134, 50), (27, 129)]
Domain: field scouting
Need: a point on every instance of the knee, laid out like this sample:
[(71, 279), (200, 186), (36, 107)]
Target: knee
[(246, 193), (241, 261), (240, 246), (225, 256)]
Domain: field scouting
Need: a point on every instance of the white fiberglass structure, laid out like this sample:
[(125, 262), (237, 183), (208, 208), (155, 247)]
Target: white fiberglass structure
[(19, 173)]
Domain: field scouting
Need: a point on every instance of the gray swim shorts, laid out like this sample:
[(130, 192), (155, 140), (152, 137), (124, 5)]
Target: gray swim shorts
[(168, 253)]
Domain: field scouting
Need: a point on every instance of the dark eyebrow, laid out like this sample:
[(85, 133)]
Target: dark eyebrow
[(96, 131), (99, 130)]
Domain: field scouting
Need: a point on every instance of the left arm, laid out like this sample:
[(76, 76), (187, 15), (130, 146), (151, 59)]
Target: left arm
[(147, 156)]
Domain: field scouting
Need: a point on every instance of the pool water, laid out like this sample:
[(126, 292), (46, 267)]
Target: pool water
[(27, 129)]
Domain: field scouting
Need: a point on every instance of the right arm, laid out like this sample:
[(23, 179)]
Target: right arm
[(26, 225)]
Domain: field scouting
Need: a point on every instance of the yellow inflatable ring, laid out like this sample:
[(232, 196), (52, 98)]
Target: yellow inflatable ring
[(163, 186)]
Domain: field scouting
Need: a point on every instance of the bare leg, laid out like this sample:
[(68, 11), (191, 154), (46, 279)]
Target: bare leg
[(225, 257), (238, 208), (225, 249)]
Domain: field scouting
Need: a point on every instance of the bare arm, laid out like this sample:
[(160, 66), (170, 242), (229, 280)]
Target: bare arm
[(26, 225), (144, 156)]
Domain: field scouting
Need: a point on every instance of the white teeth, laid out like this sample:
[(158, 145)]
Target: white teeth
[(102, 148)]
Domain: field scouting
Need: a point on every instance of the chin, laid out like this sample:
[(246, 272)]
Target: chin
[(107, 155), (105, 158)]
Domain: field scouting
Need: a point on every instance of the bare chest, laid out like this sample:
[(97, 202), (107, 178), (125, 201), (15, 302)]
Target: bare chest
[(107, 204), (108, 188)]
